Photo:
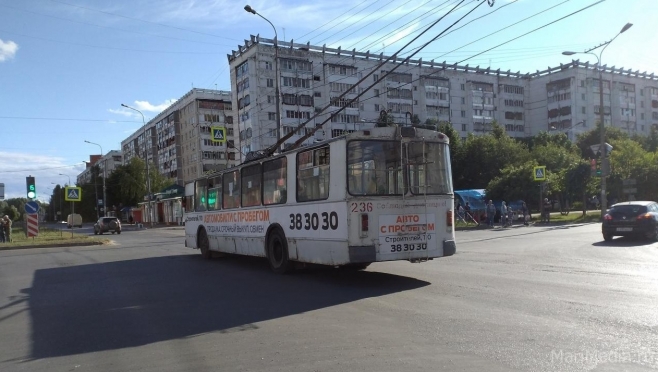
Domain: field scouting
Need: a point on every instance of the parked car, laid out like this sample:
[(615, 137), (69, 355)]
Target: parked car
[(107, 224), (636, 218), (73, 220)]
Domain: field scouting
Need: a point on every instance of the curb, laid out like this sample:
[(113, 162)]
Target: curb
[(56, 245)]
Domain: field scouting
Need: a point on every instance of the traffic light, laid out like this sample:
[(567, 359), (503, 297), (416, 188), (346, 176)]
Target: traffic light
[(31, 187)]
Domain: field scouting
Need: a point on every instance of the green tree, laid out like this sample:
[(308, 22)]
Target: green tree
[(127, 184), (482, 158), (516, 182), (555, 157), (587, 139), (12, 212)]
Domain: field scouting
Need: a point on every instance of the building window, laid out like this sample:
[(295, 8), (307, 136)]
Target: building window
[(376, 91), (270, 83), (642, 92), (268, 65), (513, 89), (642, 116), (463, 113), (375, 77), (464, 128), (316, 78), (376, 107), (582, 83), (463, 101), (642, 104), (582, 96), (317, 94), (271, 116), (584, 109), (463, 87)]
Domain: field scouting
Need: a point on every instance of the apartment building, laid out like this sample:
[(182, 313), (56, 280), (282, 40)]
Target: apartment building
[(178, 139), (469, 97), (106, 165)]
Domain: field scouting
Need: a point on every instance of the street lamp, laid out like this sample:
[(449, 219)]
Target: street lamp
[(146, 158), (568, 129), (72, 205), (602, 146), (276, 74), (104, 176)]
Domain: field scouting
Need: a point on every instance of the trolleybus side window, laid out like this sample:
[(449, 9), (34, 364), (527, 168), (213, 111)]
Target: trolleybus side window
[(251, 180), (231, 190), (313, 174), (374, 168), (215, 193), (429, 168), (275, 181), (200, 191)]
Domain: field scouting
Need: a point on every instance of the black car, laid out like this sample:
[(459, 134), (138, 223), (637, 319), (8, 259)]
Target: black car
[(637, 218)]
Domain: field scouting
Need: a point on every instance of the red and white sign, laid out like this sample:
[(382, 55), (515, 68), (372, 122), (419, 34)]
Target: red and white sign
[(32, 224)]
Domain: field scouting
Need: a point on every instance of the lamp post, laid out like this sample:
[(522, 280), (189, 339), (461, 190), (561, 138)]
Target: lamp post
[(249, 9), (72, 205), (570, 128), (104, 176), (60, 201), (602, 147), (146, 159)]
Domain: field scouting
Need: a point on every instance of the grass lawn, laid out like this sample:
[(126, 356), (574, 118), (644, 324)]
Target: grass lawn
[(574, 217), (49, 237)]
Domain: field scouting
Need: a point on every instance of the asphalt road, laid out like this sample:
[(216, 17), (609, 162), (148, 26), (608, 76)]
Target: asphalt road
[(523, 299)]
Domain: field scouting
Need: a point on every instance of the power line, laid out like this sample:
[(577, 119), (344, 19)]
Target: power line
[(494, 47), (342, 14), (112, 28), (41, 169), (104, 47), (343, 21), (68, 119), (142, 20), (361, 19)]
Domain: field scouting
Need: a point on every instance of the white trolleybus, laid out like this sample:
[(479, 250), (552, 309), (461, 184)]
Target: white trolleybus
[(382, 194)]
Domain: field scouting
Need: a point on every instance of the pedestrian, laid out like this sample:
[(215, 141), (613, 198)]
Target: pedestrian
[(526, 214), (491, 213), (547, 211), (2, 230), (503, 214), (7, 226)]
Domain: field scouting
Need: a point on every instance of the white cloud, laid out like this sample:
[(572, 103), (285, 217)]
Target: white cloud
[(147, 106), (7, 50), (124, 112), (15, 166)]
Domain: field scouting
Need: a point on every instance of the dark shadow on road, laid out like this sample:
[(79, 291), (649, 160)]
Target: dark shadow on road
[(625, 241), (105, 306)]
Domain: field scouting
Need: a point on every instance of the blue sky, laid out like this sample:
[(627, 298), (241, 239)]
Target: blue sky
[(67, 65)]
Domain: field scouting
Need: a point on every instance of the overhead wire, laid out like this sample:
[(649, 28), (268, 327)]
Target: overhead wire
[(337, 17), (112, 28), (501, 44), (346, 19), (357, 21), (142, 20)]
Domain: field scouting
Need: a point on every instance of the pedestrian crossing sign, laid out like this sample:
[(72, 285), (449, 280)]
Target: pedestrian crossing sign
[(73, 194), (540, 173), (218, 134)]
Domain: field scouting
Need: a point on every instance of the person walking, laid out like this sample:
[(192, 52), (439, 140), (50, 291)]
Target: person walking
[(2, 230), (526, 214), (7, 226), (503, 215), (491, 213), (547, 211)]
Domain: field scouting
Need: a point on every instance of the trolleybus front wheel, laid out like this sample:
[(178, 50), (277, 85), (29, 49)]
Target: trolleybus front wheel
[(277, 252)]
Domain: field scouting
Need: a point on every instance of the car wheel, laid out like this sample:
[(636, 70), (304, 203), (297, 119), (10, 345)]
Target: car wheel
[(607, 237), (119, 232), (113, 232), (95, 232)]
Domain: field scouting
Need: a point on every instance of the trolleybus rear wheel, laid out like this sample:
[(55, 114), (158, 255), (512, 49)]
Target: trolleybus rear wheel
[(277, 252), (204, 244)]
